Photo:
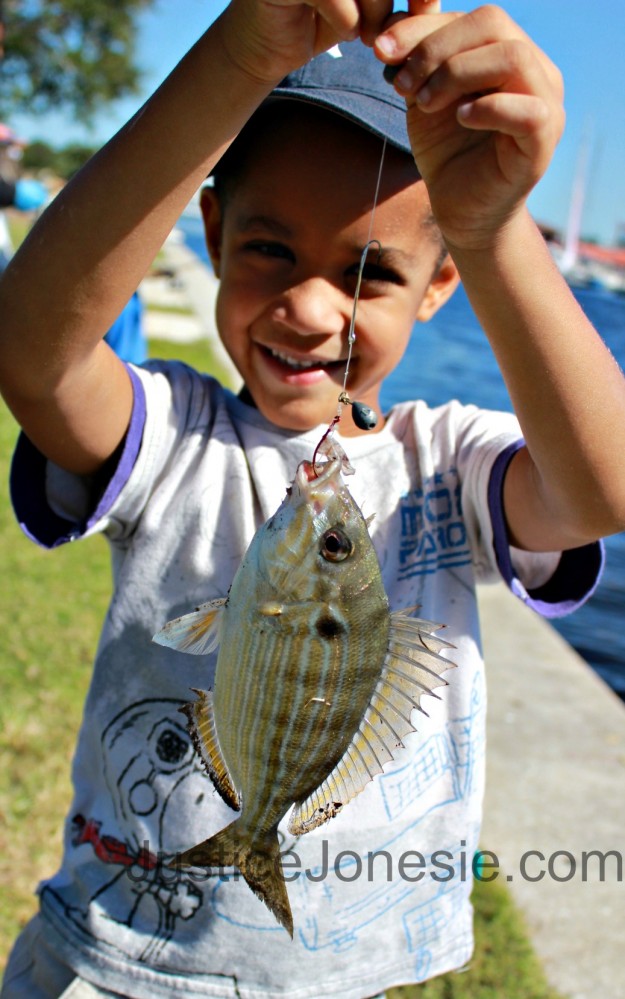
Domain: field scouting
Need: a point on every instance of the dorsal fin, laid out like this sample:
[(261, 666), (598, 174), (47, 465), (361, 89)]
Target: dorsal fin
[(197, 632), (206, 741), (411, 668)]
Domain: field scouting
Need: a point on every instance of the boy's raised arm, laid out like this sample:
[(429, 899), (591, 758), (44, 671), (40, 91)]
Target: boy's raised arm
[(484, 116), (90, 250)]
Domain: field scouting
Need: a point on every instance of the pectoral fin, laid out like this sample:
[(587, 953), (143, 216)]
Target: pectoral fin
[(411, 668), (197, 632)]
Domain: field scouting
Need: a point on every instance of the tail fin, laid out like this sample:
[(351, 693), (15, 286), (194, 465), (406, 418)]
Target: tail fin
[(259, 862)]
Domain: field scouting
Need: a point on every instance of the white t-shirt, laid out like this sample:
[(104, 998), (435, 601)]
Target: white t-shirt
[(380, 894)]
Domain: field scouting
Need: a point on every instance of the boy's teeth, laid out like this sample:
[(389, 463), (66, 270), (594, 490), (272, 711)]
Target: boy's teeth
[(292, 362)]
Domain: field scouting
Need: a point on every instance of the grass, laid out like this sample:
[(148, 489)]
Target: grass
[(172, 310), (19, 225), (196, 354), (51, 610), (503, 965)]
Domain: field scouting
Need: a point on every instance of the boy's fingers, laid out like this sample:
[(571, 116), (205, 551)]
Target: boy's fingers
[(343, 16), (373, 16), (403, 35), (510, 66), (525, 118), (429, 48)]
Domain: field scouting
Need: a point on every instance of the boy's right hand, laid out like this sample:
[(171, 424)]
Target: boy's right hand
[(266, 39)]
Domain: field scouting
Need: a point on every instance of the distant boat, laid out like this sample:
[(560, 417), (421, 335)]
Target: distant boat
[(569, 261), (583, 264), (567, 257)]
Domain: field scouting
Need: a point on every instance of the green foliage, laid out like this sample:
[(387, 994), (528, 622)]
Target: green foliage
[(38, 155), (71, 158), (63, 162), (76, 54)]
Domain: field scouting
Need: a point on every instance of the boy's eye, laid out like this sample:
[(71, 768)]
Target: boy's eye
[(375, 272), (268, 248)]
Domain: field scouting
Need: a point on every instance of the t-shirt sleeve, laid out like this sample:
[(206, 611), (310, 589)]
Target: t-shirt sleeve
[(571, 576), (552, 583), (53, 506)]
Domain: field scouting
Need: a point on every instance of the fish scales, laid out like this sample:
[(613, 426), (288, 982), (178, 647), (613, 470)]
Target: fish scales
[(315, 679), (310, 700)]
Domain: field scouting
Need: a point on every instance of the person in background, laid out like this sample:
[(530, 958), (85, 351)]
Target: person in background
[(126, 336), (24, 194)]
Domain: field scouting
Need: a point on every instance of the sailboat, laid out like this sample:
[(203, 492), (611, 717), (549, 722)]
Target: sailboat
[(567, 257), (585, 265)]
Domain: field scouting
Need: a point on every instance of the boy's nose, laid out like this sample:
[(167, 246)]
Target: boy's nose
[(313, 306)]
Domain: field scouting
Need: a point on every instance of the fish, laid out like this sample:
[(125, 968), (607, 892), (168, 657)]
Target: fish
[(315, 683)]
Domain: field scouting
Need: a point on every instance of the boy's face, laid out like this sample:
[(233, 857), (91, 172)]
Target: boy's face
[(287, 245)]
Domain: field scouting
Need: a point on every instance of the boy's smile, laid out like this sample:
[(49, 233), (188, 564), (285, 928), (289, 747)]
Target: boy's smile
[(287, 245)]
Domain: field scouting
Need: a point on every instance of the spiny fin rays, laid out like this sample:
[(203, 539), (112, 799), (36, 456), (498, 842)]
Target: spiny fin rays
[(206, 742), (412, 668), (197, 632)]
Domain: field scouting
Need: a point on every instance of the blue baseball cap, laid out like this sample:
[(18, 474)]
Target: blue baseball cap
[(348, 79)]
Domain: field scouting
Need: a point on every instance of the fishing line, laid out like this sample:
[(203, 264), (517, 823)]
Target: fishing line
[(363, 416)]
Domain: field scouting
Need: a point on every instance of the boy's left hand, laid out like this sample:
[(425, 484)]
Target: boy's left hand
[(484, 114)]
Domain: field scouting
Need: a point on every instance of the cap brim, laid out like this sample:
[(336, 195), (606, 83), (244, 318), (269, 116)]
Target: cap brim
[(385, 120)]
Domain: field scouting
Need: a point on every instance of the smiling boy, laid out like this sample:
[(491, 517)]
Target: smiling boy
[(288, 253), (178, 473)]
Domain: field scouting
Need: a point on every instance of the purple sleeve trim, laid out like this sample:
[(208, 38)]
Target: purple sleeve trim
[(578, 571), (28, 483)]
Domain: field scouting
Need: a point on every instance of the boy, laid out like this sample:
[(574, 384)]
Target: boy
[(179, 473)]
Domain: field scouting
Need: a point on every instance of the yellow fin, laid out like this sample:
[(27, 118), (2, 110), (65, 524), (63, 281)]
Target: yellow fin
[(206, 742), (360, 764), (197, 632), (412, 668)]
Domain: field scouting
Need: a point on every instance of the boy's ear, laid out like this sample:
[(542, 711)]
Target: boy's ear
[(440, 289), (211, 213)]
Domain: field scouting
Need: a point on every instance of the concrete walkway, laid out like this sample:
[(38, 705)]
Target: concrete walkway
[(556, 748), (556, 784), (190, 287)]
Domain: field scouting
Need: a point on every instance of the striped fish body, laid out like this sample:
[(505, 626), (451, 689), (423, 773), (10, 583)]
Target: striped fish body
[(302, 640), (315, 679)]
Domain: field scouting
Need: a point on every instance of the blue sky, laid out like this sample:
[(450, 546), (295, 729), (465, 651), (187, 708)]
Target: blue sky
[(585, 40)]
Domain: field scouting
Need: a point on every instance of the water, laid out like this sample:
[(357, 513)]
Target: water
[(450, 357)]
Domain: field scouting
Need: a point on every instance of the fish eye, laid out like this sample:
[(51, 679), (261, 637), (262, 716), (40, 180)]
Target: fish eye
[(335, 546)]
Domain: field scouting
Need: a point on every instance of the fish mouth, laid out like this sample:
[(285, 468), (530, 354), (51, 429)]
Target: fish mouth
[(316, 482)]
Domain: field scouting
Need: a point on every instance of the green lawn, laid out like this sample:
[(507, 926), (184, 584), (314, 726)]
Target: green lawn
[(51, 609)]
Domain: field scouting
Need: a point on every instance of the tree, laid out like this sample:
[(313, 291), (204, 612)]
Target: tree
[(37, 156), (74, 54), (69, 159), (64, 162)]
